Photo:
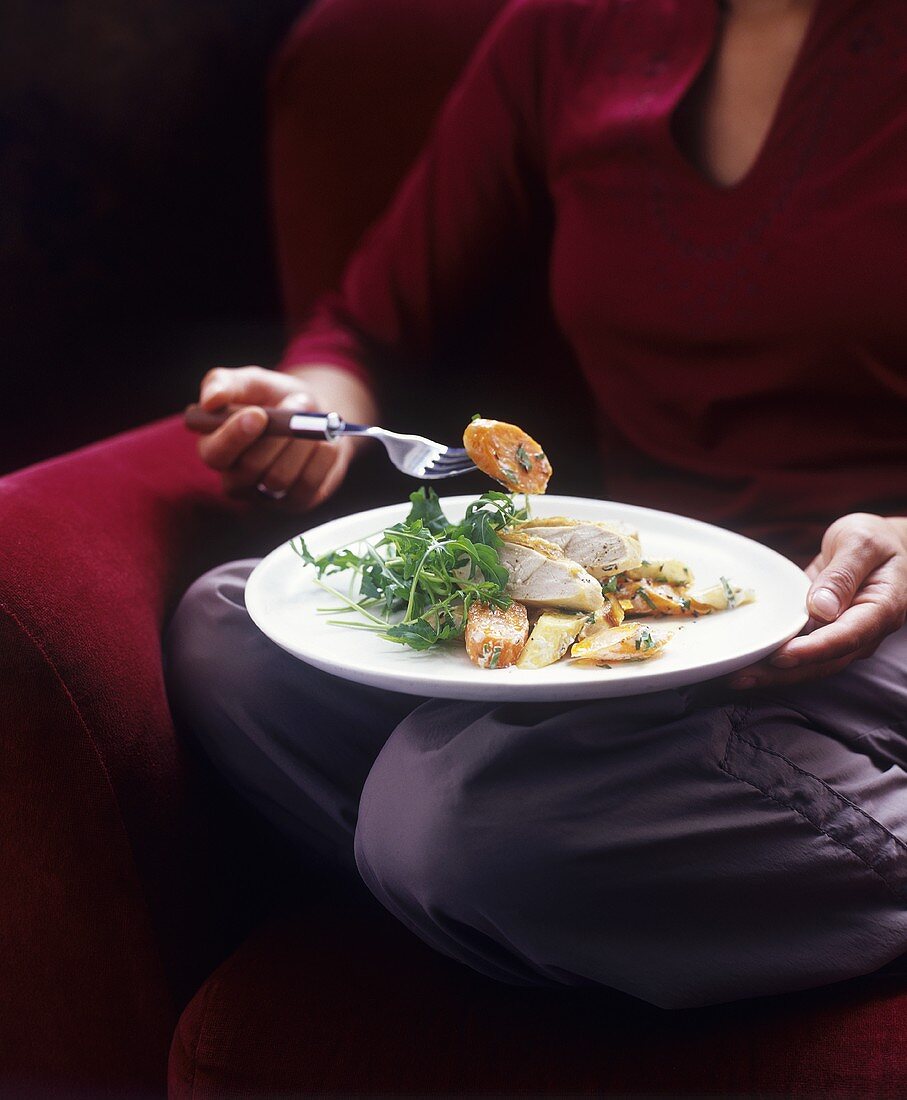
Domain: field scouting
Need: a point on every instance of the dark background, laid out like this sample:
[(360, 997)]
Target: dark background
[(135, 247)]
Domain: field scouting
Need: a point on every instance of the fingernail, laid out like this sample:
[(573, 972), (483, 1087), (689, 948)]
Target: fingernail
[(213, 393), (250, 422), (825, 603), (743, 682), (785, 660)]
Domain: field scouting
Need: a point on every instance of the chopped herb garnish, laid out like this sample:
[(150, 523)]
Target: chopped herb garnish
[(684, 603), (475, 417), (610, 585), (645, 595), (645, 640), (523, 458), (495, 657), (730, 594)]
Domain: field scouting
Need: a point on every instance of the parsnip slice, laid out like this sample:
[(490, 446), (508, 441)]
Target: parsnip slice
[(627, 642), (551, 637)]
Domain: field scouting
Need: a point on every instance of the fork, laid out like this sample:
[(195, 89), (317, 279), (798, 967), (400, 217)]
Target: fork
[(413, 454)]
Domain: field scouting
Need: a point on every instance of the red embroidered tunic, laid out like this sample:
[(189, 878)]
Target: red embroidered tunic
[(746, 346)]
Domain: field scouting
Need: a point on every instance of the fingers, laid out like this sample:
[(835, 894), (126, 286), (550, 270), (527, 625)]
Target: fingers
[(856, 599), (281, 476), (239, 450), (302, 473), (222, 448), (853, 548), (253, 465), (860, 627), (830, 647), (305, 474), (859, 630), (320, 475), (248, 471)]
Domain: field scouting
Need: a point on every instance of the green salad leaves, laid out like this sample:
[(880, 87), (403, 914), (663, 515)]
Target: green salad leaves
[(426, 567)]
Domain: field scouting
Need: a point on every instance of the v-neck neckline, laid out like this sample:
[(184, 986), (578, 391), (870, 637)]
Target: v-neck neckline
[(704, 55)]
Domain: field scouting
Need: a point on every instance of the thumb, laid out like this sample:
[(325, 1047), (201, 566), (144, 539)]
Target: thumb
[(850, 556)]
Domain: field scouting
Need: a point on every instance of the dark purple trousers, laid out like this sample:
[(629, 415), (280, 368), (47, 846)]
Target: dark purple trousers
[(689, 847)]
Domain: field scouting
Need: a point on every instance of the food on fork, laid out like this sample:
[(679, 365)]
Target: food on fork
[(507, 454)]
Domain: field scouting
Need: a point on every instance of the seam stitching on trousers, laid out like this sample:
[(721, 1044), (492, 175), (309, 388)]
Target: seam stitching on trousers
[(837, 794), (737, 717), (831, 790)]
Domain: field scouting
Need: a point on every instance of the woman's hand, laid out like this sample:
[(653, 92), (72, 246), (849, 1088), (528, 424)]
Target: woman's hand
[(858, 597), (299, 473)]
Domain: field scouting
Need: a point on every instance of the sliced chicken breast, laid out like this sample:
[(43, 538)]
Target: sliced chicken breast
[(538, 580), (602, 549)]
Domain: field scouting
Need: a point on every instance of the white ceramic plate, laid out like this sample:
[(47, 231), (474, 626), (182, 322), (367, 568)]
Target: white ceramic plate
[(282, 598)]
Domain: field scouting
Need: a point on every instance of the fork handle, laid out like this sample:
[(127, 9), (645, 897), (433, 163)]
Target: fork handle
[(281, 422)]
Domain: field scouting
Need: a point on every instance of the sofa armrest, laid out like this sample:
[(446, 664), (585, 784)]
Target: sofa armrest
[(113, 907)]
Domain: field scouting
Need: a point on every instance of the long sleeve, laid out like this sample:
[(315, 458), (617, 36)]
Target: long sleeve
[(463, 218)]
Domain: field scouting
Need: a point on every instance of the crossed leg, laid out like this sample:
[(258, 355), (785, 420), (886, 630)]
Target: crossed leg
[(681, 847)]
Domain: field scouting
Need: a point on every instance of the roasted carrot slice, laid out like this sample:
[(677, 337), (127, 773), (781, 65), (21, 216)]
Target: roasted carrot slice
[(494, 636), (506, 453)]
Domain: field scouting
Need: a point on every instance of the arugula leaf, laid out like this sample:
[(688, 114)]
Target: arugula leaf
[(334, 562), (426, 509), (427, 567), (489, 564), (417, 635)]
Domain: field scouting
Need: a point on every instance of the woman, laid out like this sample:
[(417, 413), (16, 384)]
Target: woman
[(721, 193)]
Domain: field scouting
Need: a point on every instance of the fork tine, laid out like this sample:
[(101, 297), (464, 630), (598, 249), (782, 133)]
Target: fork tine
[(436, 475), (445, 462), (440, 469), (446, 458)]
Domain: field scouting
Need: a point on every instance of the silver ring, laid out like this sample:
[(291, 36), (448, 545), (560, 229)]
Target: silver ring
[(271, 494)]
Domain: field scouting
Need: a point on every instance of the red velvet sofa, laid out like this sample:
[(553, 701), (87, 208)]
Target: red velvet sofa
[(144, 911)]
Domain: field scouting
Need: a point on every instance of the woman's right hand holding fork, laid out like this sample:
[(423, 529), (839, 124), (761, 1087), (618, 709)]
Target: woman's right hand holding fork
[(299, 473)]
